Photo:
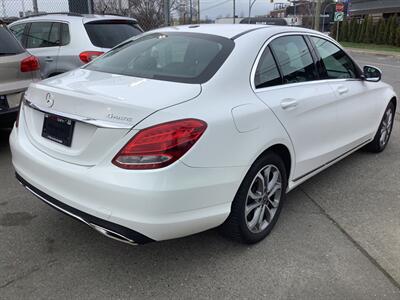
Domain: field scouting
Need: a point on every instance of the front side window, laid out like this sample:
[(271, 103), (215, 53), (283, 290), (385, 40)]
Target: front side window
[(43, 34), (179, 57), (337, 65), (267, 73), (294, 59)]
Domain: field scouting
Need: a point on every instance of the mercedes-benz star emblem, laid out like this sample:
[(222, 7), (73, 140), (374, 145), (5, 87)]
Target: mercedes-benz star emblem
[(49, 100)]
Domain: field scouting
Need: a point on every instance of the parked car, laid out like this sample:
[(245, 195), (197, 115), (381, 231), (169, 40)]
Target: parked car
[(63, 42), (18, 69), (189, 128)]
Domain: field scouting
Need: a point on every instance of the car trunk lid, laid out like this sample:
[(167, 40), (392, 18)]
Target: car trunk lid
[(104, 107)]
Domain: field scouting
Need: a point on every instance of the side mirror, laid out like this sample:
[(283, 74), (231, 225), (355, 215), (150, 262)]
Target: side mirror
[(372, 74)]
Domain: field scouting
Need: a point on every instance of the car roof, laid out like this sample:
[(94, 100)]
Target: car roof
[(232, 31), (70, 17)]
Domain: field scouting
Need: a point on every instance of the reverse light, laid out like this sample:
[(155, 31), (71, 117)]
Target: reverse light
[(160, 145), (30, 64), (88, 56)]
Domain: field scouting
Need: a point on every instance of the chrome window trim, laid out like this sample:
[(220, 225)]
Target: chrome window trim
[(91, 121), (272, 38)]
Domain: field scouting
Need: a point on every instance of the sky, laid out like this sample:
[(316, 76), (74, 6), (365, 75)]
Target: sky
[(210, 8)]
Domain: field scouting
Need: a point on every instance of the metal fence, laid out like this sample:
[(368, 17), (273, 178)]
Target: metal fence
[(149, 13)]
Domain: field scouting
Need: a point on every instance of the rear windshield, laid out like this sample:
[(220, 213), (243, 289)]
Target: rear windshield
[(179, 57), (108, 34), (8, 43)]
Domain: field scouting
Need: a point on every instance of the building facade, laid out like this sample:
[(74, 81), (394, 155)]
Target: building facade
[(375, 8)]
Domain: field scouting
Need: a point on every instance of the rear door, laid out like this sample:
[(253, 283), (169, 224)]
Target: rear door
[(43, 41), (287, 81)]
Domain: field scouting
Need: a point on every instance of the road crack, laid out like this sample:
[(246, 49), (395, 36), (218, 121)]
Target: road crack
[(22, 276)]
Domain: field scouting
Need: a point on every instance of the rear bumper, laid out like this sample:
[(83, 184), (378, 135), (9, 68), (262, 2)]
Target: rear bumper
[(8, 117), (138, 205), (106, 228)]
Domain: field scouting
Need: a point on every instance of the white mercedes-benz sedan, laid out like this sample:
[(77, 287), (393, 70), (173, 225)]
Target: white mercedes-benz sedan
[(184, 129)]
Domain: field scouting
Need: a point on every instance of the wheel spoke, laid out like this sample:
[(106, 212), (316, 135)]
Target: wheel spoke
[(274, 180), (254, 220), (273, 191), (251, 207), (261, 217), (255, 196)]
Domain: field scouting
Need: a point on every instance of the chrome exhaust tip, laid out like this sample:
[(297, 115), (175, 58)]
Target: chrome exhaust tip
[(112, 235)]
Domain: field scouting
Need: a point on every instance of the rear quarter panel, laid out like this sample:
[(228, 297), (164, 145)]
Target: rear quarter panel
[(229, 142)]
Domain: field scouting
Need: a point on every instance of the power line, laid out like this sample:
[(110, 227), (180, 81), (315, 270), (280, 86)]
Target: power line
[(216, 5)]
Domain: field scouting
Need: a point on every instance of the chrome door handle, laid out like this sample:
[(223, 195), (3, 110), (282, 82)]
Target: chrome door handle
[(342, 90), (289, 103), (49, 59)]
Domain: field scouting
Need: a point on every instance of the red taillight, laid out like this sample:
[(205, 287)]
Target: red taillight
[(161, 145), (88, 56), (30, 64)]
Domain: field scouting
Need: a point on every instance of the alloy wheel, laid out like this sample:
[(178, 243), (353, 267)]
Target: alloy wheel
[(386, 128), (263, 198)]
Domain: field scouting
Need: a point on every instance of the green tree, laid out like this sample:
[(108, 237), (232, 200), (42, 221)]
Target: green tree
[(386, 32), (368, 34), (353, 30), (380, 36), (392, 31), (344, 31), (398, 37), (360, 32)]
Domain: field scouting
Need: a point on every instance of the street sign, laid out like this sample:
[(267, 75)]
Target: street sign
[(339, 7), (339, 16)]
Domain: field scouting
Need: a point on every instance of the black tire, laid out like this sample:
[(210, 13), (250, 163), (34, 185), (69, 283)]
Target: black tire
[(236, 226), (377, 145)]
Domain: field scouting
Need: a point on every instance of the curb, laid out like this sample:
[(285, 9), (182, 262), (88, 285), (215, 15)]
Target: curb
[(380, 53)]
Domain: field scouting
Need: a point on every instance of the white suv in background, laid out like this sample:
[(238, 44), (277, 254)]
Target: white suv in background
[(64, 42)]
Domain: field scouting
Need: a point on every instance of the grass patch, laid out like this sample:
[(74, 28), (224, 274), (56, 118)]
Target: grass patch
[(375, 47)]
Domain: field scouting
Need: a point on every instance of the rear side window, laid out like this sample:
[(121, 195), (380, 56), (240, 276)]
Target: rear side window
[(18, 31), (294, 59), (336, 62), (8, 43), (43, 34), (267, 73), (179, 57), (108, 34)]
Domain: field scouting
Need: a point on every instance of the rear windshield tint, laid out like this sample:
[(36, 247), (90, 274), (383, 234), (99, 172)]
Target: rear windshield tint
[(108, 34), (178, 57), (8, 43)]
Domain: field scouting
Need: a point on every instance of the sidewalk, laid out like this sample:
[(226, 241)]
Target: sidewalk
[(374, 52)]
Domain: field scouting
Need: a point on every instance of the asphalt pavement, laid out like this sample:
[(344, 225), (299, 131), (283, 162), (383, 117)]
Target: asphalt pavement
[(338, 238)]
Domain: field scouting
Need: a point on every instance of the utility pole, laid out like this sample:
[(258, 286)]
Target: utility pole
[(234, 11), (251, 4), (191, 11), (35, 6), (198, 11), (317, 15), (90, 6), (166, 12)]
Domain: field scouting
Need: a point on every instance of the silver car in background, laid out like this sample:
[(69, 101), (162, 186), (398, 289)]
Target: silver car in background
[(18, 69), (64, 42)]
